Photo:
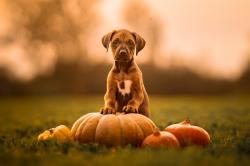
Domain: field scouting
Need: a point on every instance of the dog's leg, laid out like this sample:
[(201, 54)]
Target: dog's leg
[(109, 98), (136, 100)]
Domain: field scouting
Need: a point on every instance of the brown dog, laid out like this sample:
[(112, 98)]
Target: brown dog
[(125, 88)]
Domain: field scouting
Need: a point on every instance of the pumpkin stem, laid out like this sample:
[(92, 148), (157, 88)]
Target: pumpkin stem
[(51, 130), (186, 122), (156, 131)]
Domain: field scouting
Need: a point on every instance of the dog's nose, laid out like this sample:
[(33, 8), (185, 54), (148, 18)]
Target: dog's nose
[(123, 52)]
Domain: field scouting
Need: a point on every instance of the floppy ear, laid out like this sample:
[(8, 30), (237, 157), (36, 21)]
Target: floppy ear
[(139, 41), (107, 38)]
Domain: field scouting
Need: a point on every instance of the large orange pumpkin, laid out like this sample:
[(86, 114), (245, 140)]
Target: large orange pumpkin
[(112, 130), (161, 139), (188, 134)]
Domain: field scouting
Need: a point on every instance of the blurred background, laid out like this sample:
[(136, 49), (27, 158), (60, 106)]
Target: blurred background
[(193, 46)]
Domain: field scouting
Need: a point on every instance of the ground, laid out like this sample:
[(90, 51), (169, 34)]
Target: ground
[(225, 117)]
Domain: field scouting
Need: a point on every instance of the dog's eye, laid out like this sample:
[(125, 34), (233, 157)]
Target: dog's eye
[(131, 44), (115, 43)]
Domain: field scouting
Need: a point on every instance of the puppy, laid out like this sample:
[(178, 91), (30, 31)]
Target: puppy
[(125, 89)]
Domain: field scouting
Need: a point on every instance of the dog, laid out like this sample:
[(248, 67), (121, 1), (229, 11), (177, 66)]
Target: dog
[(125, 88)]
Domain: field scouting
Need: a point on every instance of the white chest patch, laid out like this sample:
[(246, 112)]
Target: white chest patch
[(124, 87)]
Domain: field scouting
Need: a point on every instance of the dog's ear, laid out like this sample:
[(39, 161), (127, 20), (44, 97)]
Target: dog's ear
[(139, 41), (107, 38)]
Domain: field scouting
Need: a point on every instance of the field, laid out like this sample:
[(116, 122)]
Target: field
[(226, 118)]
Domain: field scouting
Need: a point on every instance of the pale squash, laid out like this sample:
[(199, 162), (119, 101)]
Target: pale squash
[(112, 130), (60, 133)]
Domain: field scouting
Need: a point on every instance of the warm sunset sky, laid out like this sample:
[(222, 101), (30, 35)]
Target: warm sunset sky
[(210, 37), (217, 29)]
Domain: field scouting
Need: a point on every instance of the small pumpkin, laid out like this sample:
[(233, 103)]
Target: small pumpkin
[(188, 134), (112, 129), (161, 139), (60, 133)]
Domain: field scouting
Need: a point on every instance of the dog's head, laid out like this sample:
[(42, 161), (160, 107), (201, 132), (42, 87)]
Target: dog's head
[(123, 44)]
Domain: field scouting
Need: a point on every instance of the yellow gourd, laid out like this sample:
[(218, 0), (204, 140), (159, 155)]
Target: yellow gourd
[(60, 133)]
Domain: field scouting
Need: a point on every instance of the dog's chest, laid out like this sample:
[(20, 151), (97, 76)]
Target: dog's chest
[(124, 87)]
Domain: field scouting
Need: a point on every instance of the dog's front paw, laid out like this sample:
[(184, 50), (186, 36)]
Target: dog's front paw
[(107, 110), (129, 109)]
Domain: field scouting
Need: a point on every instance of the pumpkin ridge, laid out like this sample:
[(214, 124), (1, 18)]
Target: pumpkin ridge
[(121, 131), (108, 134), (138, 127), (61, 129), (134, 128), (96, 128), (98, 125), (120, 137), (148, 122), (61, 132), (95, 139), (80, 127), (77, 123), (86, 124)]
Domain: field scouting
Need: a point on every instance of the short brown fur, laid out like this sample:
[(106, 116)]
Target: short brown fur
[(124, 45)]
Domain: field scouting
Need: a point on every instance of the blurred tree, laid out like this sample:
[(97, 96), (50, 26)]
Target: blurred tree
[(139, 15), (59, 22), (244, 81), (51, 31)]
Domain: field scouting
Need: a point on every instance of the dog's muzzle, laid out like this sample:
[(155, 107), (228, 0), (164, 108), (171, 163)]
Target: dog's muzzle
[(122, 55), (123, 52)]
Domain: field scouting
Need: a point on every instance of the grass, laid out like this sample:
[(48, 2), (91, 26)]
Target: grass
[(226, 118)]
